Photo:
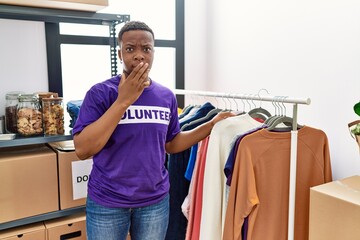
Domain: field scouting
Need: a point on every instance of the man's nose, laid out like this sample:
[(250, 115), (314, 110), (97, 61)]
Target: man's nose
[(139, 56)]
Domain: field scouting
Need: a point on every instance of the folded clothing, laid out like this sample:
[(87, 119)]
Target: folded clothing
[(73, 108)]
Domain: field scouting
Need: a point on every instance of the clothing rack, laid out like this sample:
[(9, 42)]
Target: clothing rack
[(294, 136)]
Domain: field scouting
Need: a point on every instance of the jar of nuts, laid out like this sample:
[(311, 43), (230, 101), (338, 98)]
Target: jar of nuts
[(29, 117), (12, 99), (41, 95), (53, 116)]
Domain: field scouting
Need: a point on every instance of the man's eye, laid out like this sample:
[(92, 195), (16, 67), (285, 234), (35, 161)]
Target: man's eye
[(129, 49), (147, 49)]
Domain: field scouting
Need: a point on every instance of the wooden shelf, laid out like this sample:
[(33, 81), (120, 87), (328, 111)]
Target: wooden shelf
[(21, 141), (58, 15), (42, 217), (79, 5)]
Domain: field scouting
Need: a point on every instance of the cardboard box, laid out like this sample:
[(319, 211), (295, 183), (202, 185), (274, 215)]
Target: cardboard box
[(71, 227), (28, 182), (81, 5), (27, 232), (335, 210), (64, 160)]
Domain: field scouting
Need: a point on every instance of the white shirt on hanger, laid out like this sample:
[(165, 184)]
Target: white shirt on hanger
[(214, 189)]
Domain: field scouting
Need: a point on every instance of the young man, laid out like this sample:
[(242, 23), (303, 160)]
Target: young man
[(127, 124)]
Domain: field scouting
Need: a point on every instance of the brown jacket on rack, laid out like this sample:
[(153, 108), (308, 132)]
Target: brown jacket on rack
[(259, 189)]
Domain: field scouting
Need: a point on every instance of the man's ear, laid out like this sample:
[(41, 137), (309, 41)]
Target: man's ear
[(119, 55)]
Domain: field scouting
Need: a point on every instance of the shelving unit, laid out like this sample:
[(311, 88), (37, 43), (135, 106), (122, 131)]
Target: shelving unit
[(42, 217), (52, 18), (21, 141)]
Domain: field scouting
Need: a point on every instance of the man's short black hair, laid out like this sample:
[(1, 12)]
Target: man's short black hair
[(134, 25)]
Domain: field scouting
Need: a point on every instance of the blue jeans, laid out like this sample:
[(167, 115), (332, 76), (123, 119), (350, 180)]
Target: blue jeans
[(148, 223)]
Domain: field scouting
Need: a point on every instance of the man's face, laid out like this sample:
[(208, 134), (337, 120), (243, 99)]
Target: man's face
[(136, 46)]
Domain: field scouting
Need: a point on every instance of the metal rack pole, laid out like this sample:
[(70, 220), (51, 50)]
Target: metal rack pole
[(267, 98)]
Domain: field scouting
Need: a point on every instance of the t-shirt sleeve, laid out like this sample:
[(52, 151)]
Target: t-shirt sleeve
[(92, 108), (174, 125)]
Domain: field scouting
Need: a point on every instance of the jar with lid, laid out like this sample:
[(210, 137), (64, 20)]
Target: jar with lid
[(53, 116), (41, 95), (2, 124), (29, 117), (10, 111)]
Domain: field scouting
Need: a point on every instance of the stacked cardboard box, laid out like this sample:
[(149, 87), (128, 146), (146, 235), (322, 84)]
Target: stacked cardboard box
[(70, 227), (28, 182), (64, 161), (34, 231), (335, 210)]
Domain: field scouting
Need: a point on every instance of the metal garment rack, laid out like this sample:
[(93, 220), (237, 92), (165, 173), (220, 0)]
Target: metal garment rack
[(294, 137)]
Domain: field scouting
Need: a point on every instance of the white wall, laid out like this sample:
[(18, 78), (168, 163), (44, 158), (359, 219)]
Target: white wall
[(303, 49), (23, 64)]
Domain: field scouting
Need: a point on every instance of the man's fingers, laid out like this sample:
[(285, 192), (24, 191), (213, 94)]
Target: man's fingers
[(140, 74)]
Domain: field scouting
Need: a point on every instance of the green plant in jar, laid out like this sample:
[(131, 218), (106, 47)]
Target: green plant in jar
[(357, 108), (355, 129)]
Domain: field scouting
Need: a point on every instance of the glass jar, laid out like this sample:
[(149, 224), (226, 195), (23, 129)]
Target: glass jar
[(41, 95), (29, 117), (10, 111), (53, 116), (2, 124)]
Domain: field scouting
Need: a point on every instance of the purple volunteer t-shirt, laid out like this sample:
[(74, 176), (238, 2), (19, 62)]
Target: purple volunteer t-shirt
[(130, 170)]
